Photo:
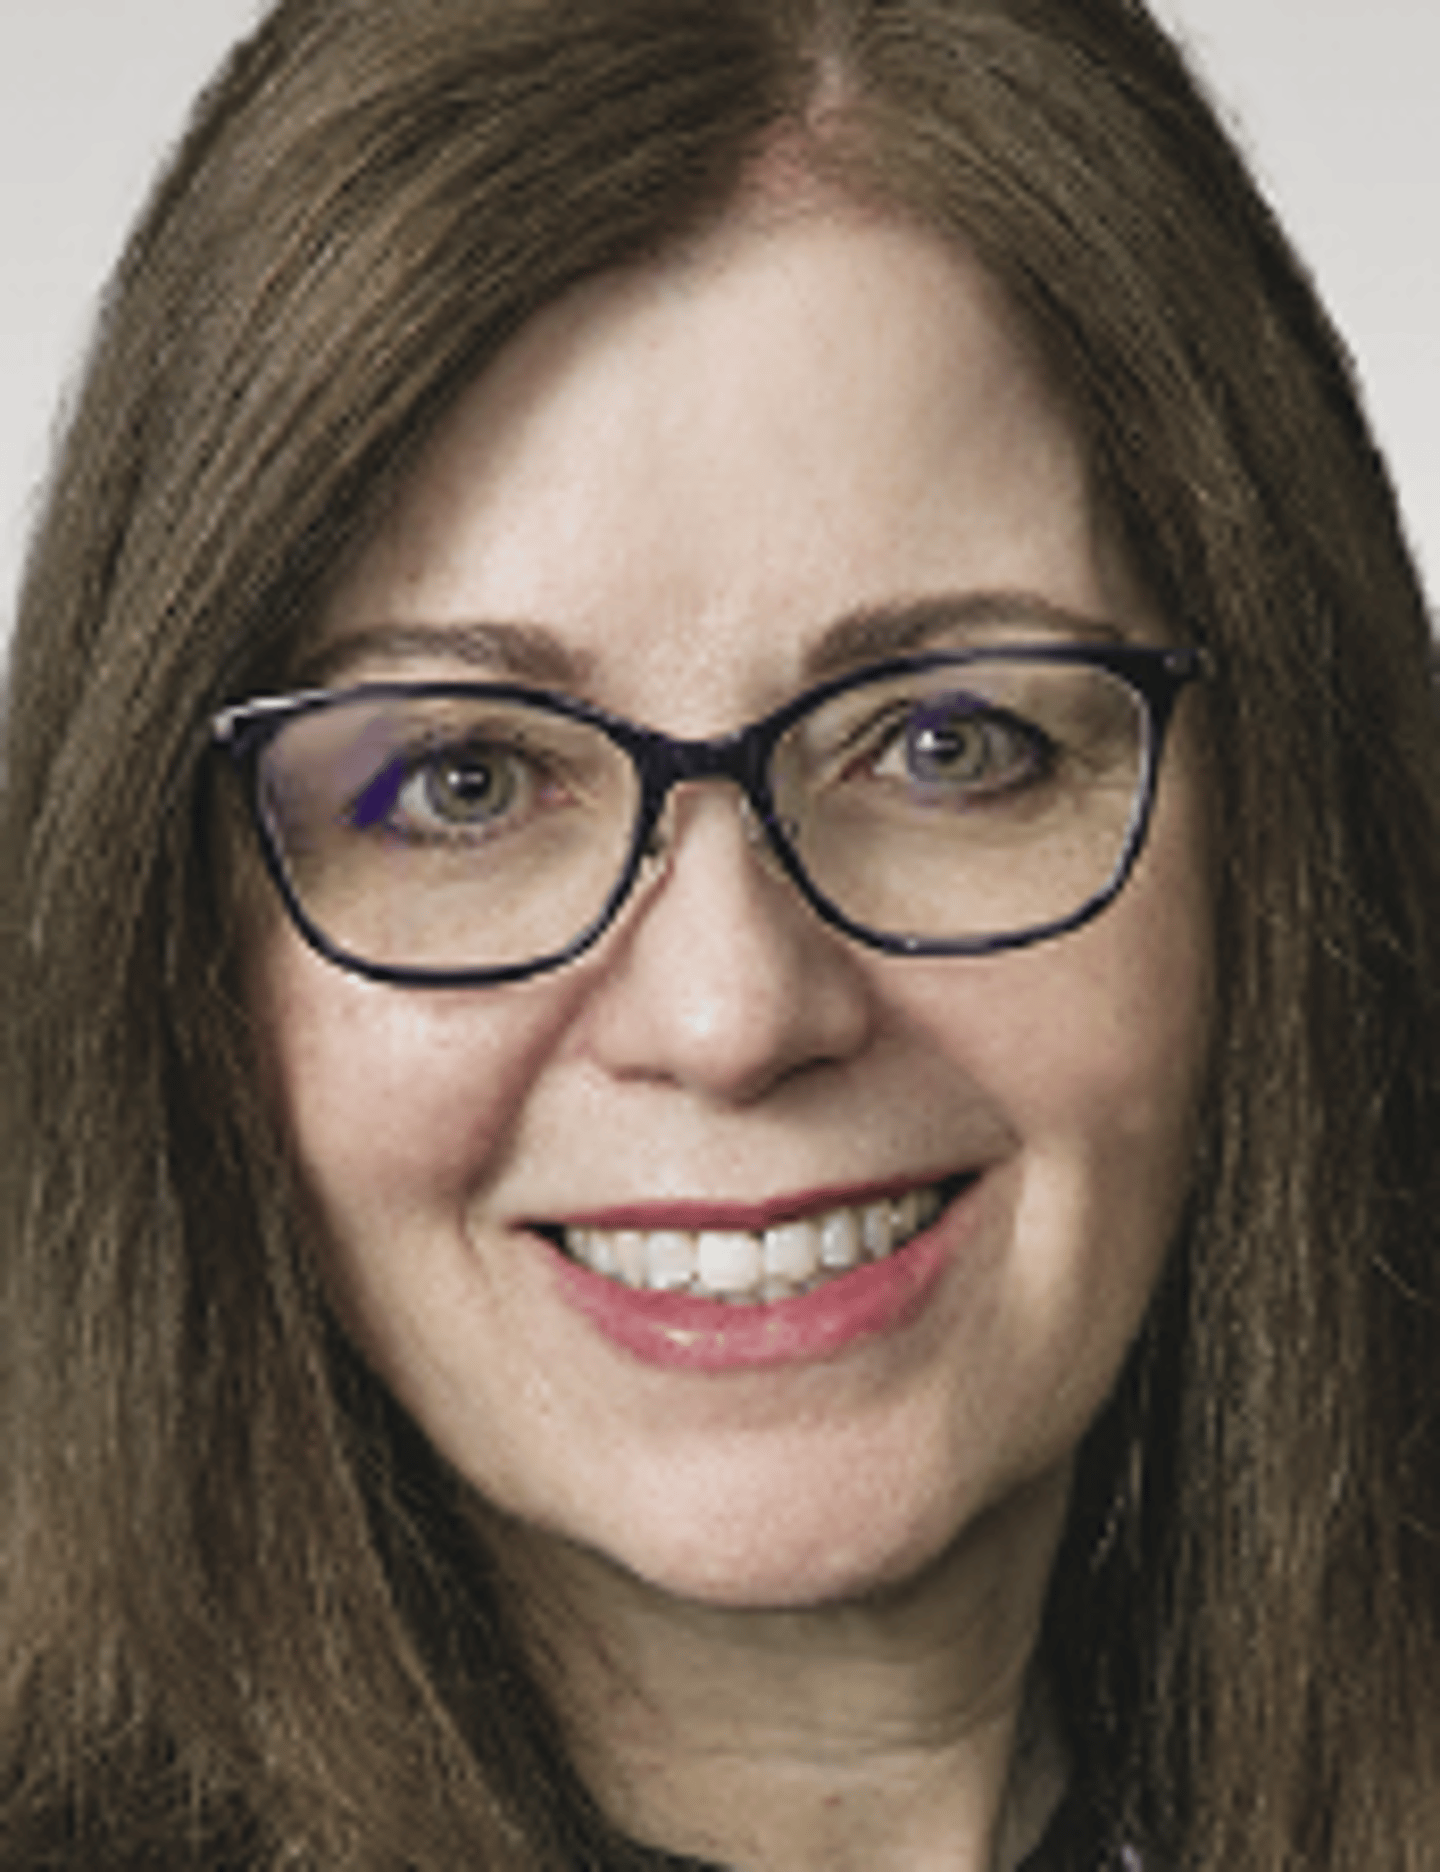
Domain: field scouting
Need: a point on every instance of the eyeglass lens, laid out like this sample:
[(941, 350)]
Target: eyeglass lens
[(952, 803)]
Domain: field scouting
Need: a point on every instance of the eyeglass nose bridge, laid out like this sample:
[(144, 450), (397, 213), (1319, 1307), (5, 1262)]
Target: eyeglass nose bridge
[(667, 762)]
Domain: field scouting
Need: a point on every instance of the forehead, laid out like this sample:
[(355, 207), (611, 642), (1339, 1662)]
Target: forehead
[(688, 471)]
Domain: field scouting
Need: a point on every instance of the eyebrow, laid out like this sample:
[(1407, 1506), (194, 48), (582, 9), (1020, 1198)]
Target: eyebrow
[(869, 634), (528, 652)]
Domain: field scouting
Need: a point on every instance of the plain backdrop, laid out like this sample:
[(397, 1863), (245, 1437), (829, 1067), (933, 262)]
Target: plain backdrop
[(1337, 102)]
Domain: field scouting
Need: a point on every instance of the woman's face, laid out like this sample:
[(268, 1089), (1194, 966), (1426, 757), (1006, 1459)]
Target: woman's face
[(675, 484)]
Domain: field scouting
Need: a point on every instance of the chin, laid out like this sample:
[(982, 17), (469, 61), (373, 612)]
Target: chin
[(788, 1548)]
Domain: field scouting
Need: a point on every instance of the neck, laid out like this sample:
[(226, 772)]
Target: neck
[(898, 1731)]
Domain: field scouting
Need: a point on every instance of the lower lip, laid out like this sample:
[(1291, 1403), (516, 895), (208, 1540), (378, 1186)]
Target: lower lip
[(686, 1334)]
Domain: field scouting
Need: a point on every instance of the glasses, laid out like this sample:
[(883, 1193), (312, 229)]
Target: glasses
[(952, 803)]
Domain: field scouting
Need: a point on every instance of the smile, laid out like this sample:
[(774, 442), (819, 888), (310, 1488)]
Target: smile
[(708, 1288), (757, 1267)]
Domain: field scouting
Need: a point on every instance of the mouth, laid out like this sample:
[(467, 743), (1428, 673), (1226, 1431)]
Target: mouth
[(778, 1259)]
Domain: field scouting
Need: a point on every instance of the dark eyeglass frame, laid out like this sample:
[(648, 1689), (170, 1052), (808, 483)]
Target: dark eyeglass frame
[(662, 762)]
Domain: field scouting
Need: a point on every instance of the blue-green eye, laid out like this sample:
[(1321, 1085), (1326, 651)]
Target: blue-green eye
[(959, 745), (466, 787), (462, 787)]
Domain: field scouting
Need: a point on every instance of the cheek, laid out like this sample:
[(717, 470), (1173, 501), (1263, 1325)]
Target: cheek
[(1094, 1042), (1115, 1119), (1095, 1049), (1104, 1086), (1114, 1039), (395, 1102)]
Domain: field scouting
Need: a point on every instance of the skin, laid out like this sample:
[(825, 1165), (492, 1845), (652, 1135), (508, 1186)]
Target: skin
[(818, 1585)]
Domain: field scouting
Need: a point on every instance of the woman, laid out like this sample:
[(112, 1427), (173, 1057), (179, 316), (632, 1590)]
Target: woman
[(655, 1284)]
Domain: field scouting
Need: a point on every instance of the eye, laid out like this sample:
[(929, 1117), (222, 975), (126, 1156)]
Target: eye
[(959, 746), (466, 786), (442, 792)]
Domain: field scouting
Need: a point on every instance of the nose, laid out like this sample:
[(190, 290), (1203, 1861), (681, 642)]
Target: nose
[(721, 979)]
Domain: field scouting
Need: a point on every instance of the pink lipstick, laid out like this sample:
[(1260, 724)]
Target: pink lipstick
[(882, 1250)]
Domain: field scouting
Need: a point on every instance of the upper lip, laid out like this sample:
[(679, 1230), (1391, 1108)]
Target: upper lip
[(751, 1218)]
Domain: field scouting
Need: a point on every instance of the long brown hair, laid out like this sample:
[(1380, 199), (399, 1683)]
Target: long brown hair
[(244, 1620)]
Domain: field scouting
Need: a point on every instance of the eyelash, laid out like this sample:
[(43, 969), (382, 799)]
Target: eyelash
[(875, 740), (387, 789)]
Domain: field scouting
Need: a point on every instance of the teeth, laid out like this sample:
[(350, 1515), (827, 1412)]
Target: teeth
[(630, 1254), (840, 1239), (599, 1252), (877, 1229), (792, 1251), (728, 1264), (670, 1260)]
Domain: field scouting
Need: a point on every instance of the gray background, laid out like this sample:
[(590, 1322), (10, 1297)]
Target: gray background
[(1337, 101)]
